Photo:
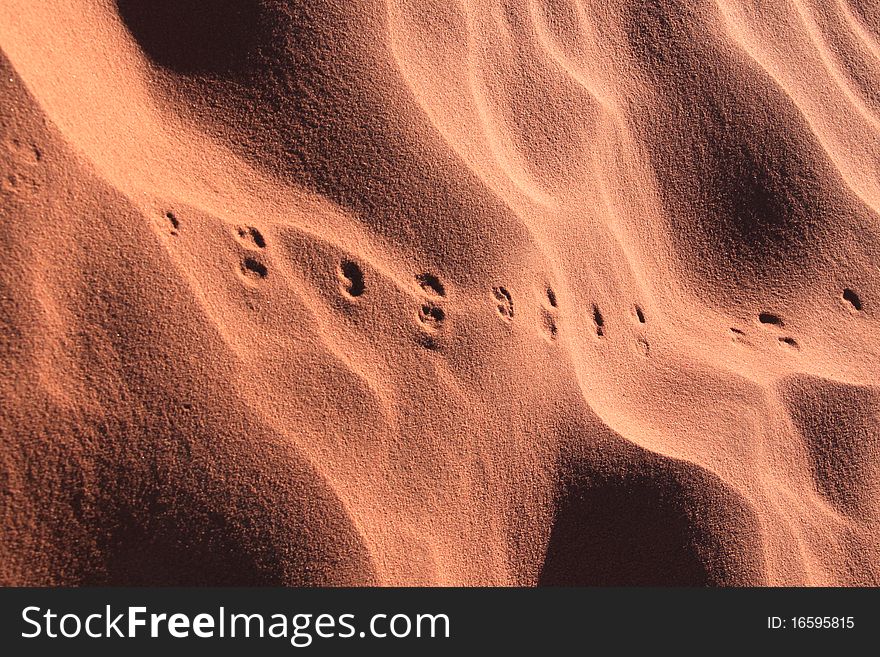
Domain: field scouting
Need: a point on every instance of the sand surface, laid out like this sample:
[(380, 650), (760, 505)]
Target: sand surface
[(444, 292)]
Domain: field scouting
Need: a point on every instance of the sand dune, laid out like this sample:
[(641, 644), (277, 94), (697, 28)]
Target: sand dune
[(446, 293)]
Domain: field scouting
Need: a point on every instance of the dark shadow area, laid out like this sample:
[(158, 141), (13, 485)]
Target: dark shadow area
[(621, 533), (163, 553), (751, 195), (627, 517), (228, 532), (193, 37)]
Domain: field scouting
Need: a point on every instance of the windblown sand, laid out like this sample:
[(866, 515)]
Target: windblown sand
[(432, 292)]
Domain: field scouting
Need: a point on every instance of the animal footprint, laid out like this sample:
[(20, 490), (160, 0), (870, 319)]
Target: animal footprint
[(432, 285), (738, 335), (505, 303), (253, 269), (351, 278), (548, 314), (549, 325), (173, 221), (169, 222), (26, 151), (598, 321), (776, 321), (850, 297), (642, 344), (432, 317), (251, 237), (771, 319), (789, 342), (25, 155)]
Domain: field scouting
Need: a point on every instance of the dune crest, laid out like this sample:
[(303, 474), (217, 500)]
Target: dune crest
[(418, 292)]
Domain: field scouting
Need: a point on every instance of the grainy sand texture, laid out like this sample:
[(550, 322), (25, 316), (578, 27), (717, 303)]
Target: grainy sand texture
[(440, 292)]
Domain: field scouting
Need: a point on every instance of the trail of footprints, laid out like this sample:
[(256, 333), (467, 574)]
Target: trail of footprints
[(769, 320), (773, 321), (251, 267), (431, 313), (432, 316)]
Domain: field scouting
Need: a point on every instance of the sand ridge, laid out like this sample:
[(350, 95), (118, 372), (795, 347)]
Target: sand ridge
[(416, 292)]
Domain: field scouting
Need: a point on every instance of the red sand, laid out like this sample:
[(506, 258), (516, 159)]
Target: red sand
[(422, 292)]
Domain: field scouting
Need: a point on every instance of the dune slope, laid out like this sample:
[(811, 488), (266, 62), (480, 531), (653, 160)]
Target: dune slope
[(527, 292)]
